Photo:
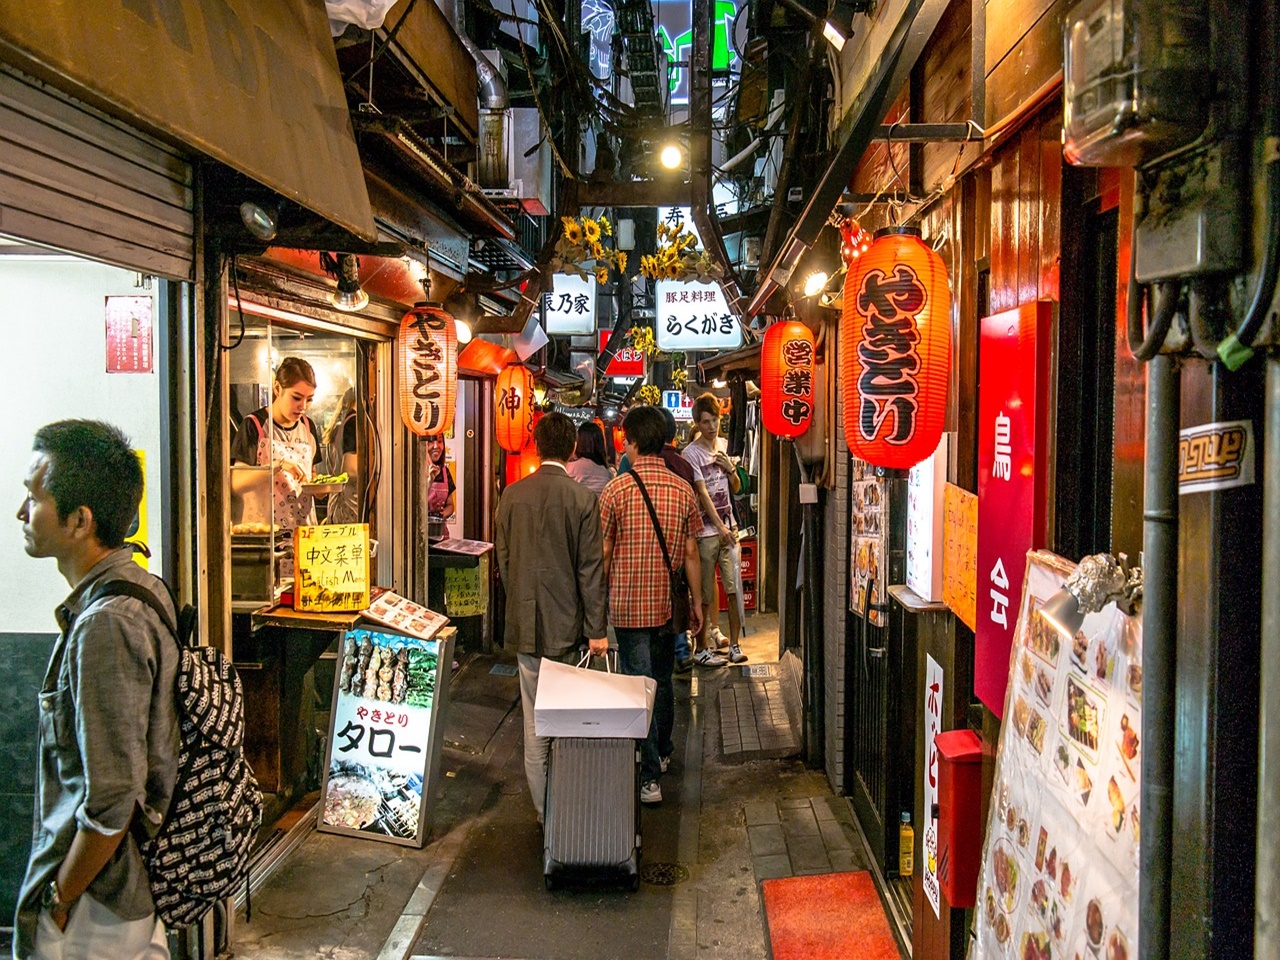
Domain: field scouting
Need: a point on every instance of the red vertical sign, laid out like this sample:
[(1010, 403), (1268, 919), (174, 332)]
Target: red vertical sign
[(626, 362), (128, 334), (1013, 440)]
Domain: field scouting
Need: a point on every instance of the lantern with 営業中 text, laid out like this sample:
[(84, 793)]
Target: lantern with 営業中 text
[(429, 370), (513, 400), (787, 360), (895, 350)]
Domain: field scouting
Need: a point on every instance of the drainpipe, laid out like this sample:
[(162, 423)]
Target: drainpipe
[(493, 91), (813, 709), (1159, 652), (1266, 938)]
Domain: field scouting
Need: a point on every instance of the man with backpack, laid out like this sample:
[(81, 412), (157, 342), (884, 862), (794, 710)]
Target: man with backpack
[(109, 733)]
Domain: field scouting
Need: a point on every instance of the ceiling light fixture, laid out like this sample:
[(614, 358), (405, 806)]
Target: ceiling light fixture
[(815, 283), (463, 330), (839, 25), (260, 219), (671, 156), (345, 268)]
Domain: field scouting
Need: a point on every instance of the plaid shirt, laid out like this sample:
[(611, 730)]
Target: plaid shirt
[(639, 590)]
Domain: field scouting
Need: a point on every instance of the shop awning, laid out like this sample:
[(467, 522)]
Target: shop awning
[(253, 85)]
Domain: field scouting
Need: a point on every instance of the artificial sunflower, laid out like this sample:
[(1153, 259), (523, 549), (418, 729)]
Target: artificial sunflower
[(622, 260), (606, 227), (597, 250), (602, 274), (572, 230), (591, 232)]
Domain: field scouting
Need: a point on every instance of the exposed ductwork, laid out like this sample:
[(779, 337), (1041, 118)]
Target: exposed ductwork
[(492, 88)]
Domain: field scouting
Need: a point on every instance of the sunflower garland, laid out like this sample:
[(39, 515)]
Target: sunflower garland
[(581, 250), (648, 396), (678, 257)]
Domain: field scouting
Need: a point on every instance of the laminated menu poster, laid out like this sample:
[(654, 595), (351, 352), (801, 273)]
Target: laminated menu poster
[(383, 735), (401, 613), (1059, 876), (868, 572)]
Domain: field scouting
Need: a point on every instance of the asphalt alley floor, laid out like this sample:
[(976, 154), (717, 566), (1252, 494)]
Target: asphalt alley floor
[(727, 821)]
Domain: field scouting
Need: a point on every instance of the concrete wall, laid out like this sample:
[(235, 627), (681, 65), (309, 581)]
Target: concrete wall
[(835, 611)]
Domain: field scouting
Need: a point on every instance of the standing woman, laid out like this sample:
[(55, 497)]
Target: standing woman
[(284, 437), (588, 465), (340, 441), (440, 495)]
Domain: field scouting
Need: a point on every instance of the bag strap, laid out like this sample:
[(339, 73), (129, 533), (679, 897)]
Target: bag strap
[(127, 588), (653, 515)]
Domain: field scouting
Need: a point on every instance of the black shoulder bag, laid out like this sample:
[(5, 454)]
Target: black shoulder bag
[(679, 578)]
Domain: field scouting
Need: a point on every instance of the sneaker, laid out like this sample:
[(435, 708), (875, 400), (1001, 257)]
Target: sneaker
[(664, 763), (651, 792), (683, 665), (736, 655), (717, 638), (709, 658)]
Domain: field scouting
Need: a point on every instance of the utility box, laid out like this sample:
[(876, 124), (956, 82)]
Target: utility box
[(959, 815)]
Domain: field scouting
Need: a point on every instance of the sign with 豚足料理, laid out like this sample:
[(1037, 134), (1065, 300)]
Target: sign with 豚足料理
[(331, 568), (694, 316), (384, 735)]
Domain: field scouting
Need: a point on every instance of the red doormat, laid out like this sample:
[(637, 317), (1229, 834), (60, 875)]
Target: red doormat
[(833, 916)]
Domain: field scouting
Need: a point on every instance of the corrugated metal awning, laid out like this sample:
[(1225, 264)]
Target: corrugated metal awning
[(253, 85)]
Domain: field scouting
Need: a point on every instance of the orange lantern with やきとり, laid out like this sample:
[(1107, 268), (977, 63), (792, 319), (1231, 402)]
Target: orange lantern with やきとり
[(513, 402), (787, 359), (428, 370), (895, 350)]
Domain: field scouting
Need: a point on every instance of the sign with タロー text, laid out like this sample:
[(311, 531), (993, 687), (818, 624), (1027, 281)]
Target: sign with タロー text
[(1013, 398)]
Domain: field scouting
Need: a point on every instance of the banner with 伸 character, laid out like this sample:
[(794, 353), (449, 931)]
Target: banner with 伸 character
[(383, 749), (1059, 876)]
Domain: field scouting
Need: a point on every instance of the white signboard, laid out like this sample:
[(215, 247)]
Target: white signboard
[(926, 487), (695, 316), (932, 727), (681, 406), (383, 736), (570, 308)]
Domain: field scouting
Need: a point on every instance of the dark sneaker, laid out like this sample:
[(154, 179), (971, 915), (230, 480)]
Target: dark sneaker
[(736, 655)]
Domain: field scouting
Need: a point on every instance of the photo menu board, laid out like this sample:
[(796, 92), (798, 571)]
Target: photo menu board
[(1059, 875), (384, 735)]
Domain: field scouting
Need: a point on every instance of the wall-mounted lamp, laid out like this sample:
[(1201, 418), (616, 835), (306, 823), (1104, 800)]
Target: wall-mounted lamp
[(260, 219), (815, 283), (345, 268), (1097, 581), (839, 25), (463, 330)]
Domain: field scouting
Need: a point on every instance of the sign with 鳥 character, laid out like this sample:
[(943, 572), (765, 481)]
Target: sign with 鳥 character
[(1013, 441), (384, 737), (331, 568), (570, 308)]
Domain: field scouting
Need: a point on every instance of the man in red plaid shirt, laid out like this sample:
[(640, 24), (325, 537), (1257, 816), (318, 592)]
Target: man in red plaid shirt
[(639, 585)]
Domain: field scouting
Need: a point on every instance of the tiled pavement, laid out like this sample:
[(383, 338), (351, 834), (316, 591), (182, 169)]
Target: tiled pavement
[(754, 721), (800, 836)]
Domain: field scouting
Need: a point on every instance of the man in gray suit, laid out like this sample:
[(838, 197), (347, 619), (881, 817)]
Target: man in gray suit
[(549, 558)]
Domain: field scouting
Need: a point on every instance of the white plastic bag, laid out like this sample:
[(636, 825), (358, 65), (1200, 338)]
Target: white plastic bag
[(368, 14)]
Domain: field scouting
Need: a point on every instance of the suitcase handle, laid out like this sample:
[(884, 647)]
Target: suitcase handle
[(585, 662)]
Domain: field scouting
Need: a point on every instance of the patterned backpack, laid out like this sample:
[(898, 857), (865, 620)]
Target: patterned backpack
[(201, 852)]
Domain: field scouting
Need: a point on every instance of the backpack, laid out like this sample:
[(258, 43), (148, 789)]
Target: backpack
[(201, 851)]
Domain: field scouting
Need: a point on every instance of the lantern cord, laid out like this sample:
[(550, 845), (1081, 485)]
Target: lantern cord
[(235, 285)]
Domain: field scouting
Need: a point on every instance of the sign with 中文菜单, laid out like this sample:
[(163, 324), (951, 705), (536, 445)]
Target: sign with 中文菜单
[(331, 568), (960, 553), (570, 308), (382, 736)]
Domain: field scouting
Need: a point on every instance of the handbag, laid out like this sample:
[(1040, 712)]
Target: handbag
[(679, 578)]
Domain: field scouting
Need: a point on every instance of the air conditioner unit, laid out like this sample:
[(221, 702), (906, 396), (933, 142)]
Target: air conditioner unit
[(515, 158)]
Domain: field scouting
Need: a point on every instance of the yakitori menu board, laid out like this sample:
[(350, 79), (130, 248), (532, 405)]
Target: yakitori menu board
[(1059, 876)]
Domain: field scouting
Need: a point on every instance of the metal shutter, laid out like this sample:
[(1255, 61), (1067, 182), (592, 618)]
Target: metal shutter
[(77, 180)]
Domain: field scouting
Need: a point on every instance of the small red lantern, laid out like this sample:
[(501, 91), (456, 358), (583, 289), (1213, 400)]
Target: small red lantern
[(786, 379), (619, 439), (895, 350), (513, 400), (429, 369)]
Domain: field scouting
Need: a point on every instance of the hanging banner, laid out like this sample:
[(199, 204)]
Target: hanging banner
[(1013, 444), (932, 727), (960, 553), (570, 308), (384, 736), (331, 568), (1059, 875)]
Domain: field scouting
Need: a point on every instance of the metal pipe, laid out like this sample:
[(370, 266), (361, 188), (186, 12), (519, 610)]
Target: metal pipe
[(814, 748), (1159, 652), (492, 90), (1145, 344), (1266, 937)]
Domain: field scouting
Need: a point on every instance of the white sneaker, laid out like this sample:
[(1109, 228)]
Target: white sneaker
[(717, 639), (736, 655), (650, 792), (709, 658)]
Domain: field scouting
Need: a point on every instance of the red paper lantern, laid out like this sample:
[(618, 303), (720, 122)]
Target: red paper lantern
[(429, 370), (895, 350), (513, 400), (786, 379)]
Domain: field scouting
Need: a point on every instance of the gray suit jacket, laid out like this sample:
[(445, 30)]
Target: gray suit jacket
[(549, 557)]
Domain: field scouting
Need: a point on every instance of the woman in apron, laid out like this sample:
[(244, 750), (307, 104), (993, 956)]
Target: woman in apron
[(283, 436), (440, 493)]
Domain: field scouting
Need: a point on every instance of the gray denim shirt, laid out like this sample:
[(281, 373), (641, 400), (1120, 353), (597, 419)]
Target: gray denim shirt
[(108, 741)]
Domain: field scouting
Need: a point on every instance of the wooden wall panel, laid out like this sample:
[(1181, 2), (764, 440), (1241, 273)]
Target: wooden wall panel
[(1008, 21), (1050, 149), (874, 171), (1028, 237), (1035, 61)]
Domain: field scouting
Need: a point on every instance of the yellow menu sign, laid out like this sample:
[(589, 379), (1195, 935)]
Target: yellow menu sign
[(331, 568), (960, 553)]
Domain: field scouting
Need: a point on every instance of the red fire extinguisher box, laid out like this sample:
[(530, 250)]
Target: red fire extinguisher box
[(959, 815)]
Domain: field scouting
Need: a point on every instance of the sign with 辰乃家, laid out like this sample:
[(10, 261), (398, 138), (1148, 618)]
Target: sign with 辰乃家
[(960, 553), (331, 568), (384, 735), (570, 308), (694, 316), (1059, 874), (1215, 456)]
